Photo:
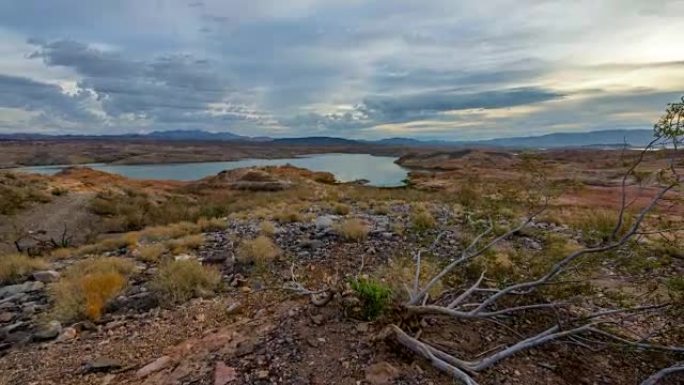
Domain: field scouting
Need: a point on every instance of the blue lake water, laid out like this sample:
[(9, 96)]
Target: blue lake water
[(378, 170)]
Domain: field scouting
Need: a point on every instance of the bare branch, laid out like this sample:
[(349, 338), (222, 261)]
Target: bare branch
[(652, 380), (466, 293)]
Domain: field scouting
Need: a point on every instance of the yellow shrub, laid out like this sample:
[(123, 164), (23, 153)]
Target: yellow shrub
[(260, 249), (15, 266), (87, 286), (151, 252), (98, 289), (352, 229), (179, 281)]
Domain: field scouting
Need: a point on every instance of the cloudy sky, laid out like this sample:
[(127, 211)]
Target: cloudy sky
[(350, 68)]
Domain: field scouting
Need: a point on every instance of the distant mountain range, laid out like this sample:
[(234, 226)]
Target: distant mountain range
[(606, 138)]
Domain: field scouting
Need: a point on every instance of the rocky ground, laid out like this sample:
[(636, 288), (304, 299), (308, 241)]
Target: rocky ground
[(255, 332)]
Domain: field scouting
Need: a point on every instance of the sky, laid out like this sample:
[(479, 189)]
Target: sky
[(427, 69)]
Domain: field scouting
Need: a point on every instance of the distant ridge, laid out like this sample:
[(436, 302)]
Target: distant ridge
[(605, 138)]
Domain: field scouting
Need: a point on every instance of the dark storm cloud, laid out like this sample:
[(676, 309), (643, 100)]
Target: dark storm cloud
[(167, 89), (29, 95)]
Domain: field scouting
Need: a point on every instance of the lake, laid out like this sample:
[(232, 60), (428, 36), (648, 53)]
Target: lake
[(378, 170)]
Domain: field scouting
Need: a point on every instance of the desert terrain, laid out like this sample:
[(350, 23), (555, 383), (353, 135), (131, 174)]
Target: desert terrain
[(280, 275)]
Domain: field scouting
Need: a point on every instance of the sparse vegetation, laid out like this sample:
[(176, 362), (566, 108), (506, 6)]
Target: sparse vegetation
[(179, 281), (16, 266)]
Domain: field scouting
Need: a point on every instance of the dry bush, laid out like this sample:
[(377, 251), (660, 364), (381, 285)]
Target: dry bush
[(87, 286), (422, 219), (62, 253), (213, 224), (267, 228), (16, 266), (186, 243), (288, 215), (352, 229), (259, 250), (341, 209), (380, 208), (151, 252), (179, 281)]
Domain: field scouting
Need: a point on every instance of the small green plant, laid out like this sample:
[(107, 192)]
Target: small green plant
[(375, 296)]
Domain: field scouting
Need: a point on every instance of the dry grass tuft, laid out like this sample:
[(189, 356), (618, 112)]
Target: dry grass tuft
[(86, 287), (214, 224), (179, 281), (401, 270), (288, 215), (422, 219), (16, 266), (151, 252), (259, 250), (352, 229), (267, 228), (341, 209), (185, 244)]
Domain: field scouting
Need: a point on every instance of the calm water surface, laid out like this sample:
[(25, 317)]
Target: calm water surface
[(379, 170)]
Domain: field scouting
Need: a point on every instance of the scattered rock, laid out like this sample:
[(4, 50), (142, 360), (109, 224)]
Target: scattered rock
[(48, 332), (224, 374), (154, 366), (46, 276), (25, 287), (317, 319), (262, 374), (381, 373)]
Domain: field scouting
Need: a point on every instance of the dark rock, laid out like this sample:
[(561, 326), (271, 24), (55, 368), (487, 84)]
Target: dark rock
[(46, 276), (216, 257)]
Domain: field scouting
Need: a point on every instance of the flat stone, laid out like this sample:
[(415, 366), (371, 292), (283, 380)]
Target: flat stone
[(26, 287), (48, 332), (102, 364), (46, 276), (224, 374)]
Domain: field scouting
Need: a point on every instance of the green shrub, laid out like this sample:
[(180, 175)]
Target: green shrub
[(179, 281), (375, 296)]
